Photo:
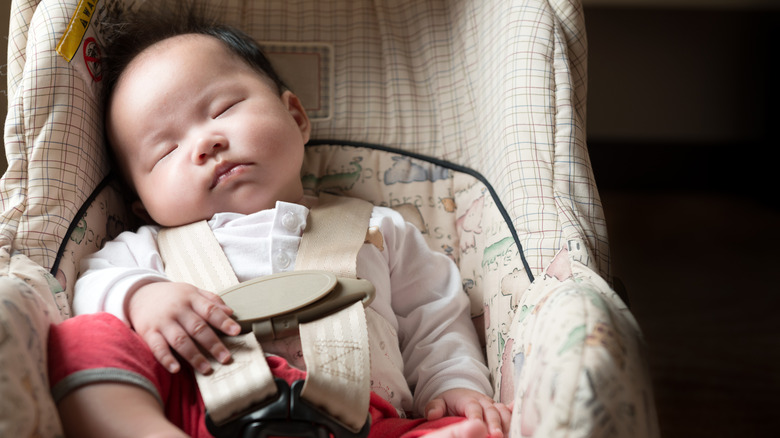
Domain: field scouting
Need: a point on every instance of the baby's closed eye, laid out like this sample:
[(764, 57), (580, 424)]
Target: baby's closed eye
[(225, 107), (167, 152)]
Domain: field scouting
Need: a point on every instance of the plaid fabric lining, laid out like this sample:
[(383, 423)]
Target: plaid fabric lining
[(493, 86), (53, 136)]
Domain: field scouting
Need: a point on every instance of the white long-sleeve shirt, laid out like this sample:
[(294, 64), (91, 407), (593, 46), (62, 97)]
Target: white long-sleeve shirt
[(423, 339)]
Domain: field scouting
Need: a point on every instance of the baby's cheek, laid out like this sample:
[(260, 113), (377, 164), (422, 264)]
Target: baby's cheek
[(176, 207)]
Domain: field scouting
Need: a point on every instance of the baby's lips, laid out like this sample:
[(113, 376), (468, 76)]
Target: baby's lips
[(220, 171)]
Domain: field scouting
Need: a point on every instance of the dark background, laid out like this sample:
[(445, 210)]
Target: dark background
[(682, 111)]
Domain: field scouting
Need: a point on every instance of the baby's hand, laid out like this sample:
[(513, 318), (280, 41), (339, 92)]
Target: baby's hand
[(474, 406), (180, 316)]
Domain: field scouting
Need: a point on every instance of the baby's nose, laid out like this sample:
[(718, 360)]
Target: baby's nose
[(208, 146)]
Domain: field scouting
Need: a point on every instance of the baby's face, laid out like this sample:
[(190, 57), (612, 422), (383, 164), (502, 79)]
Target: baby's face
[(199, 132)]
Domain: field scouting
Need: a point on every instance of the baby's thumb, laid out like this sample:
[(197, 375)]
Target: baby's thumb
[(435, 409)]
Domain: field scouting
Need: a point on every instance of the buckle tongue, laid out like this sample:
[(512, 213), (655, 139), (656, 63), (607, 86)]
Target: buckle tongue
[(273, 306)]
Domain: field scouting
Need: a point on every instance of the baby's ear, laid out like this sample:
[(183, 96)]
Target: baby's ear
[(295, 107), (139, 210)]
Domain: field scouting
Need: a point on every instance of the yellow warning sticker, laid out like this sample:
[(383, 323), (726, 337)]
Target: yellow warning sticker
[(74, 34)]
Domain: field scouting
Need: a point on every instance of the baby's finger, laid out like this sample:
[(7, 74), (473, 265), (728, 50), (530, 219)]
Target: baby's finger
[(473, 410), (161, 351), (216, 299), (506, 416), (181, 342), (217, 314), (494, 421), (204, 336)]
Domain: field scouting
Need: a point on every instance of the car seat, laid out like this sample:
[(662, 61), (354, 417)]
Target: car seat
[(469, 115)]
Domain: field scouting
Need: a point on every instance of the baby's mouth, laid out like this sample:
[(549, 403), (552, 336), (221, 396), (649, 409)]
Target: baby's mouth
[(224, 171)]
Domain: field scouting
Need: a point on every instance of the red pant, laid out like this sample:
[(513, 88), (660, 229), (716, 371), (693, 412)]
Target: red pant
[(102, 342)]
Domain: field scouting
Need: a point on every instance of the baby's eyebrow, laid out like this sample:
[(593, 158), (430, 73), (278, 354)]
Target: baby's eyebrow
[(154, 140), (156, 143), (202, 101)]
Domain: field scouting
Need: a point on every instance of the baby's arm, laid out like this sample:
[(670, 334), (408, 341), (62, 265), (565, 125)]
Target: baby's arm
[(441, 351), (180, 316), (438, 341), (474, 406), (127, 279)]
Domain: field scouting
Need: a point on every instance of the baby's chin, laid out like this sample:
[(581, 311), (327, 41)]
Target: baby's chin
[(249, 206)]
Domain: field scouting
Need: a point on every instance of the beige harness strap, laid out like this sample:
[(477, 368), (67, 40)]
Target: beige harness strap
[(335, 348), (185, 251), (192, 254), (331, 234)]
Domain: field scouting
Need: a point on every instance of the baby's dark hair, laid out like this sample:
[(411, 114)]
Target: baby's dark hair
[(131, 32)]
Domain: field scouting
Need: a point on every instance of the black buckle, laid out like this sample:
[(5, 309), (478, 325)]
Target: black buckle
[(286, 415)]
